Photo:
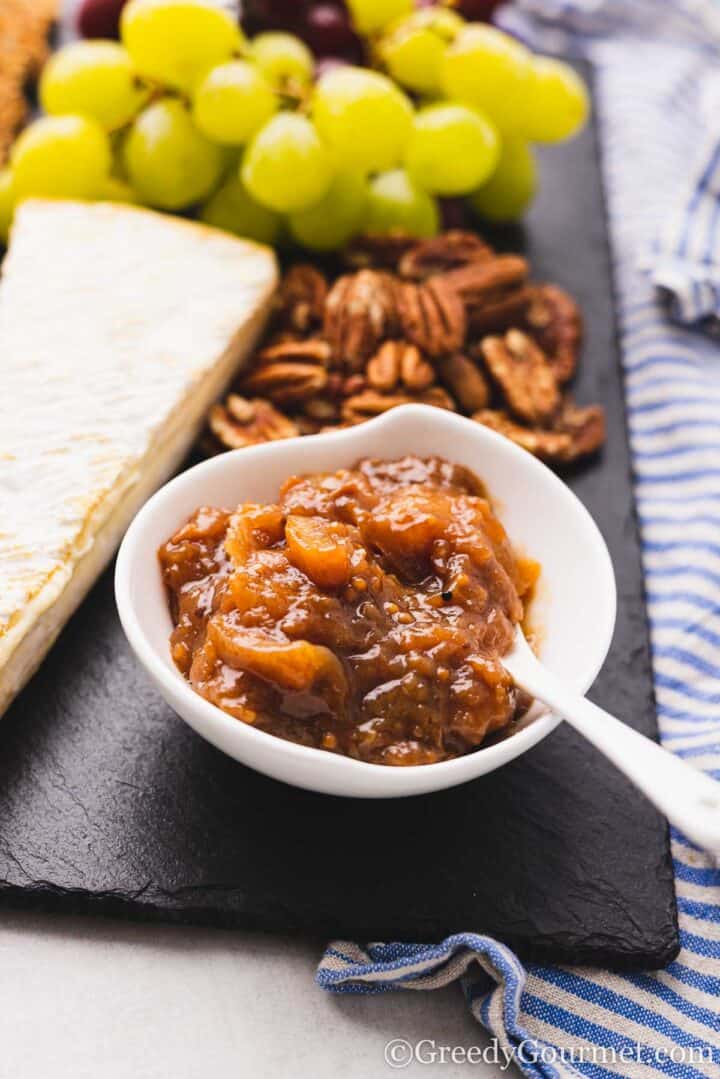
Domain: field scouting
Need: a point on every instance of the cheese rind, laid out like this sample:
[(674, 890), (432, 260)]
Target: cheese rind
[(118, 328)]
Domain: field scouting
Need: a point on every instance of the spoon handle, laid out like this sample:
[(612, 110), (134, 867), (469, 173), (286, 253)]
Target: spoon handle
[(688, 798)]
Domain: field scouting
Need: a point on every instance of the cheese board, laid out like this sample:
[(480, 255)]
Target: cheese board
[(109, 804)]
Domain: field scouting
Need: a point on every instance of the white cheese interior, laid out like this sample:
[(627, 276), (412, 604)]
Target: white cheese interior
[(118, 328)]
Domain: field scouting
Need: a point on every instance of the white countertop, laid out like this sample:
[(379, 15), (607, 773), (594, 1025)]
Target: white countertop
[(82, 998)]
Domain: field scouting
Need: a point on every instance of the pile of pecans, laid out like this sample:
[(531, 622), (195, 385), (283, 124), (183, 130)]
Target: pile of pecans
[(445, 322)]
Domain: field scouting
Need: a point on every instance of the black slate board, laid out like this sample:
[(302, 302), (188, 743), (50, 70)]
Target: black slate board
[(109, 803)]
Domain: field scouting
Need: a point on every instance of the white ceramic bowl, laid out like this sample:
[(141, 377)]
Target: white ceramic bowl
[(574, 608)]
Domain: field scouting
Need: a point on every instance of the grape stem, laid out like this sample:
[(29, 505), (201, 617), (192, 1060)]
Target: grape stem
[(293, 94)]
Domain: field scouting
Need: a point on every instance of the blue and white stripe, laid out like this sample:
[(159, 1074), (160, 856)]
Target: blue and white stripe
[(651, 123)]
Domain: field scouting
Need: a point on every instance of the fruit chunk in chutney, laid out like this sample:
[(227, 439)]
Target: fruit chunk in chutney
[(366, 613)]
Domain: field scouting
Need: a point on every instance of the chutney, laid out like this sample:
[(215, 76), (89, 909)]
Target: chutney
[(365, 613)]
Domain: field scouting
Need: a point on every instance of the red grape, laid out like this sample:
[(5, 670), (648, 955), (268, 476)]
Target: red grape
[(261, 15), (477, 10), (100, 18), (328, 31)]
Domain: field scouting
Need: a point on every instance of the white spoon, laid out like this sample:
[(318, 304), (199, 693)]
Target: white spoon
[(688, 798)]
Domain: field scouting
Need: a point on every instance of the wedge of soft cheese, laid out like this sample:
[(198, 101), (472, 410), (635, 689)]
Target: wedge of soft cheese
[(118, 328)]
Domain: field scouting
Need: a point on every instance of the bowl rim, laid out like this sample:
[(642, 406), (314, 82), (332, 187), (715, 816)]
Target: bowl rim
[(215, 722)]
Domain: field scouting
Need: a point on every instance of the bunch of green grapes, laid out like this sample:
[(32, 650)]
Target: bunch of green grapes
[(186, 114), (475, 68)]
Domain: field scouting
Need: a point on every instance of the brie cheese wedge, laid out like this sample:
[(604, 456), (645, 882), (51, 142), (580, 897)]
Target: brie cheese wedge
[(118, 328)]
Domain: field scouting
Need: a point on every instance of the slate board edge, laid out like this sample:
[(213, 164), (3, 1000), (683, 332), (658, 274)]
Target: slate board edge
[(591, 74), (140, 908)]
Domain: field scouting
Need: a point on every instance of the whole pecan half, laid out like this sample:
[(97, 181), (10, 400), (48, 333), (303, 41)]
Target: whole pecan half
[(554, 320), (398, 362), (291, 350), (415, 372), (360, 311), (238, 422), (493, 292), (520, 368), (584, 434), (439, 254), (289, 372), (301, 298), (465, 381), (432, 316), (498, 315), (371, 403)]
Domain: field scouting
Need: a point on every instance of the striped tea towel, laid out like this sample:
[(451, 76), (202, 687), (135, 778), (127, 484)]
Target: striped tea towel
[(652, 71), (683, 258)]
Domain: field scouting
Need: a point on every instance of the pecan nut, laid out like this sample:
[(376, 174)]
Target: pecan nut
[(465, 381), (554, 320), (398, 362), (285, 383), (321, 409), (583, 435), (416, 373), (585, 425), (524, 375), (493, 292), (313, 350), (378, 251), (477, 282), (301, 298), (288, 372), (360, 311), (238, 422), (448, 251), (371, 403), (432, 316), (383, 370), (502, 313)]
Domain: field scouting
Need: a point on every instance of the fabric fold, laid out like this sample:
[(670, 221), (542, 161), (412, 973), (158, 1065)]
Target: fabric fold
[(655, 65)]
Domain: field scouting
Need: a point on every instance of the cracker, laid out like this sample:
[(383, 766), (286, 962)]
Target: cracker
[(24, 29)]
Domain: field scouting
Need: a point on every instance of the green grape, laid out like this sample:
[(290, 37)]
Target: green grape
[(369, 16), (282, 58), (176, 42), (169, 163), (512, 186), (338, 216), (413, 48), (231, 208), (558, 103), (286, 167), (93, 78), (7, 203), (396, 204), (232, 102), (114, 190), (364, 117), (452, 149), (489, 70), (65, 157)]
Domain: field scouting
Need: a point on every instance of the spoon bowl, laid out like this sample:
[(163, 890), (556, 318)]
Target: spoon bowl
[(573, 611)]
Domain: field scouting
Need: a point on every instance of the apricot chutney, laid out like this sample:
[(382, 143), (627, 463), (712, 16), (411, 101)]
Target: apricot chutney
[(366, 613)]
